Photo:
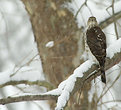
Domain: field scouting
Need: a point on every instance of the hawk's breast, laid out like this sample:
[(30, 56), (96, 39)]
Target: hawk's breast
[(96, 41)]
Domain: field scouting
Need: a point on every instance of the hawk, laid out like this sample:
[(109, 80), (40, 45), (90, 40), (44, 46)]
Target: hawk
[(96, 41)]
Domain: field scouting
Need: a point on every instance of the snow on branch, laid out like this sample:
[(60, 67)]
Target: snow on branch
[(63, 91), (23, 76), (81, 75), (67, 86)]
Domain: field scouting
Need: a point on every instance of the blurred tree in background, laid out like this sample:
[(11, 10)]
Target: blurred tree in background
[(55, 23)]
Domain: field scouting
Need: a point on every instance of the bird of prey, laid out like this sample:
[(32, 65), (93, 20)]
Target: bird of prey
[(96, 41)]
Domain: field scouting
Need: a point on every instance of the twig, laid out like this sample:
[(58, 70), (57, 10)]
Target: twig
[(38, 83), (110, 102), (109, 88), (85, 3), (23, 65), (113, 12)]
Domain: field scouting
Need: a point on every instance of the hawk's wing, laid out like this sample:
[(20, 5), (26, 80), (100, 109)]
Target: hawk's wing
[(96, 41)]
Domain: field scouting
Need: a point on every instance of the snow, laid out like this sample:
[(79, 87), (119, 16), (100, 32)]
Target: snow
[(8, 6), (85, 13), (114, 48), (83, 68), (110, 36), (62, 85), (3, 107), (25, 73), (4, 77), (62, 100), (14, 20), (67, 86), (50, 44), (70, 84), (117, 7), (64, 89), (43, 104), (53, 92), (98, 11)]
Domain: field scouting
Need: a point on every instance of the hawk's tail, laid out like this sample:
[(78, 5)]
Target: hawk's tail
[(103, 77)]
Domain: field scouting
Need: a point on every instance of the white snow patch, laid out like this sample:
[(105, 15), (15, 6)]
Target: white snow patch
[(3, 107), (50, 44), (5, 76), (62, 100), (114, 48), (8, 6), (25, 73), (70, 84), (67, 86), (83, 68), (62, 85), (53, 92)]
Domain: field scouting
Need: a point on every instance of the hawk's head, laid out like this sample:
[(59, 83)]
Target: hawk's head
[(92, 22)]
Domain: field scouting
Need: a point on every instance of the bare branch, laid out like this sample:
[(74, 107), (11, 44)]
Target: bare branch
[(27, 98), (38, 83), (115, 26), (110, 20)]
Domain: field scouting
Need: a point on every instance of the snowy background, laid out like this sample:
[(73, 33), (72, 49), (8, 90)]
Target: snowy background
[(19, 56)]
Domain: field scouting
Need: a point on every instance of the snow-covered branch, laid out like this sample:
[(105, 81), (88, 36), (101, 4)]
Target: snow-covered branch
[(81, 75), (87, 71), (23, 76)]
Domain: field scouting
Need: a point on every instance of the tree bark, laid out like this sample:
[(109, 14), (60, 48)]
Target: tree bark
[(52, 22)]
